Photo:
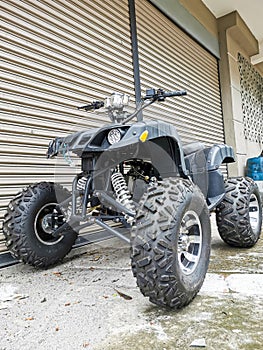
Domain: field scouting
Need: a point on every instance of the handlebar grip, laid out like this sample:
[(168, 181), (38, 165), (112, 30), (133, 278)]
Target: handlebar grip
[(160, 94), (175, 93), (86, 107), (92, 106)]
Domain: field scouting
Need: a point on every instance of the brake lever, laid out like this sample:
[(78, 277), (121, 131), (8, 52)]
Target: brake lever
[(152, 94), (160, 96)]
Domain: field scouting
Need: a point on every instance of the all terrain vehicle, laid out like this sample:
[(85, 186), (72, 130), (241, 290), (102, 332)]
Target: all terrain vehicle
[(141, 176)]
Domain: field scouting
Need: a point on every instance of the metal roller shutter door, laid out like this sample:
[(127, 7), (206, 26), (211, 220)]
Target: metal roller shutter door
[(171, 60), (55, 56)]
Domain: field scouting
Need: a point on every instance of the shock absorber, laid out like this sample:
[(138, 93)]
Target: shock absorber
[(81, 184), (122, 193)]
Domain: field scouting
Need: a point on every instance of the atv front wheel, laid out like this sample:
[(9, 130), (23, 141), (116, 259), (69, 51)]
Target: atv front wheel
[(239, 215), (171, 243), (32, 216)]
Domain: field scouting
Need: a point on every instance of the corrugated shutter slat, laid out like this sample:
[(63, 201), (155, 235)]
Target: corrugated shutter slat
[(55, 56), (172, 60)]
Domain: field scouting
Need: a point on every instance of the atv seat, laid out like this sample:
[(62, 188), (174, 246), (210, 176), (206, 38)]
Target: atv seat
[(193, 147)]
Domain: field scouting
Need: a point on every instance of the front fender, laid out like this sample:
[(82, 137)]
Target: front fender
[(160, 135)]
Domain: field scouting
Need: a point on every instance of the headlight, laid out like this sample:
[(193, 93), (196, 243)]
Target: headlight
[(117, 101), (114, 136)]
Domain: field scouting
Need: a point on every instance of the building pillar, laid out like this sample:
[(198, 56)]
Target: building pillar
[(234, 38)]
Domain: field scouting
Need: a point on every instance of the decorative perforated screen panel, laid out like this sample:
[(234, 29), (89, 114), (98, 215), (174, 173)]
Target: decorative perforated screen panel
[(252, 100)]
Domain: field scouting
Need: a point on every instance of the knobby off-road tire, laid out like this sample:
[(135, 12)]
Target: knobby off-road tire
[(27, 225), (239, 215), (170, 243)]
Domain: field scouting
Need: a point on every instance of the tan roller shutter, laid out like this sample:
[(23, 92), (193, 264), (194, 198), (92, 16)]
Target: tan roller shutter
[(55, 56), (171, 60)]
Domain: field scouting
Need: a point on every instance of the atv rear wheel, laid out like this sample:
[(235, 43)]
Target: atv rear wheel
[(171, 243), (28, 225), (239, 215)]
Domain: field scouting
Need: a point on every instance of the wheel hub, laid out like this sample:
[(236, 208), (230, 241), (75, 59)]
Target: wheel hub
[(254, 213), (46, 223), (47, 220), (183, 243), (189, 242)]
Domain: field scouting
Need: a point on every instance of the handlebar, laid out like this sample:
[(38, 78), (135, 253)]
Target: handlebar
[(160, 95), (117, 114), (151, 94)]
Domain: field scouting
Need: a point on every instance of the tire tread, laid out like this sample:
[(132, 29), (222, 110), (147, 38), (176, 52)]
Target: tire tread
[(232, 213), (152, 263), (16, 238)]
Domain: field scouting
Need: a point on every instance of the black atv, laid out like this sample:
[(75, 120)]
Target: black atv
[(140, 176)]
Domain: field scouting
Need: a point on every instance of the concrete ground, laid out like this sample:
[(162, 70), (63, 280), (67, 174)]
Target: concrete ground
[(79, 304)]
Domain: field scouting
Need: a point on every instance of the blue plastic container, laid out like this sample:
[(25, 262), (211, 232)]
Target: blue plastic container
[(254, 168)]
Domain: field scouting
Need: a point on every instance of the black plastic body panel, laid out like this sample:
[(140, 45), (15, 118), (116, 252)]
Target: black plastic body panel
[(203, 167), (161, 136), (219, 154), (162, 148)]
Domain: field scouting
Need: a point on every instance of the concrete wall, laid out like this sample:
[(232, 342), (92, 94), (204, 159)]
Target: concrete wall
[(234, 38), (257, 59)]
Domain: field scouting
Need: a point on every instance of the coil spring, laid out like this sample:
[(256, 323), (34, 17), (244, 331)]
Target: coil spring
[(81, 184), (122, 193)]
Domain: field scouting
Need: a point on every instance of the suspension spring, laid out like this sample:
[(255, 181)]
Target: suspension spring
[(81, 184), (122, 193)]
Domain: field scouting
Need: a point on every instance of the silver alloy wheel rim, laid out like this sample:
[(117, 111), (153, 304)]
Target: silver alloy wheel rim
[(189, 242), (254, 213), (41, 223)]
